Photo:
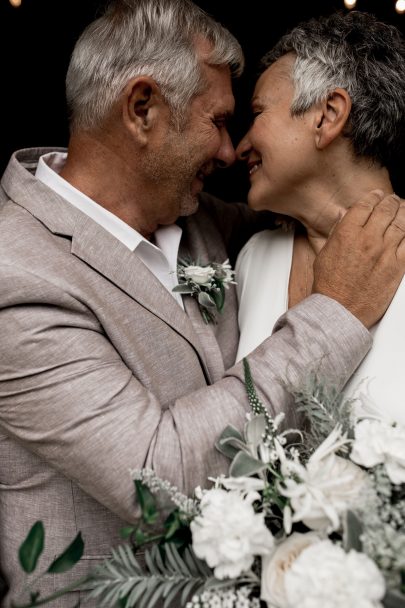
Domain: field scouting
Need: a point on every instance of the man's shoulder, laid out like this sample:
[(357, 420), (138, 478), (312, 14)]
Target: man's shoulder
[(25, 161)]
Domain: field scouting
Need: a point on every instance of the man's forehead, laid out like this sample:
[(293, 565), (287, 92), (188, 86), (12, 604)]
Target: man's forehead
[(218, 92)]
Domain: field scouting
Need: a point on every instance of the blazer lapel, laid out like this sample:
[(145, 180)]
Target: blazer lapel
[(92, 244)]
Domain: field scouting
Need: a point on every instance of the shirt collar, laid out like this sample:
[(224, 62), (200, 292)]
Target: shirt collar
[(48, 169)]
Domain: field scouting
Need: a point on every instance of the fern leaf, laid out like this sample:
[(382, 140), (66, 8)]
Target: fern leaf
[(146, 599), (191, 563), (150, 562), (123, 556), (187, 591), (166, 575), (170, 597), (112, 596), (157, 558), (136, 593), (156, 596), (174, 556), (203, 569)]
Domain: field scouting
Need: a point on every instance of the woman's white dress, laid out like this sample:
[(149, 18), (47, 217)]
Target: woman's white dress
[(262, 275)]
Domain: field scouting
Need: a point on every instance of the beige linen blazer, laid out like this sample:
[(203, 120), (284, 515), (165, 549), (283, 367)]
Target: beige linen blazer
[(102, 372)]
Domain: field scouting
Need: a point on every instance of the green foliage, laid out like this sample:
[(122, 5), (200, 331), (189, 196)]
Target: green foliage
[(147, 502), (254, 401), (244, 465), (353, 529), (69, 557), (32, 547), (167, 575), (219, 297), (183, 288), (127, 531), (230, 442), (324, 407), (176, 529), (394, 600), (205, 300)]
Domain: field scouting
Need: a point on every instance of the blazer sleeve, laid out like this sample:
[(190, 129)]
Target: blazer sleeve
[(67, 395)]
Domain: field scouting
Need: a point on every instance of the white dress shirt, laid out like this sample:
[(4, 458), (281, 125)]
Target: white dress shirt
[(160, 259)]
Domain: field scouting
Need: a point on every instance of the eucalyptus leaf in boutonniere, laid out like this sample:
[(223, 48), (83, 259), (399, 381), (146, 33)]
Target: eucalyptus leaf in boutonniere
[(206, 283)]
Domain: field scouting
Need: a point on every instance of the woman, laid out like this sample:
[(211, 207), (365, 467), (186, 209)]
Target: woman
[(329, 110)]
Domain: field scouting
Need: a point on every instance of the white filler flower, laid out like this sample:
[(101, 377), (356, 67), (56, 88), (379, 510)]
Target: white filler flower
[(377, 442), (228, 533), (324, 575)]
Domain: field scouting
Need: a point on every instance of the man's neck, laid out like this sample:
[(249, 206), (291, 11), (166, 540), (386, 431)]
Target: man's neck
[(96, 170)]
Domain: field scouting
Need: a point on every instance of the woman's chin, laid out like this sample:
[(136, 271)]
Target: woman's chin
[(260, 203)]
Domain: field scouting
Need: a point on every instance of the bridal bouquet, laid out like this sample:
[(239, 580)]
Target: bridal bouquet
[(310, 518)]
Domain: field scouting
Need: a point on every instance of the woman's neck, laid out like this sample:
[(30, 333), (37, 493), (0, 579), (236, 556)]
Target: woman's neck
[(331, 199)]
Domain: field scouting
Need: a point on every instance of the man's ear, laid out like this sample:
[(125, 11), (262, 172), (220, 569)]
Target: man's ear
[(331, 117), (141, 105)]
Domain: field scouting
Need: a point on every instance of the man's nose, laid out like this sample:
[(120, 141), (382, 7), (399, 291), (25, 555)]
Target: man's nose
[(226, 154)]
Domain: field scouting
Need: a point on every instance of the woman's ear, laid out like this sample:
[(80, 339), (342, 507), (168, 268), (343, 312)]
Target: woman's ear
[(141, 105), (332, 117)]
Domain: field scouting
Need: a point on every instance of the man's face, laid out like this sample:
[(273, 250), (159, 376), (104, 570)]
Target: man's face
[(186, 156), (279, 148)]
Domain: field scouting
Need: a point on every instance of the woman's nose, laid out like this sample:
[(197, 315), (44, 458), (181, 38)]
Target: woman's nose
[(243, 148)]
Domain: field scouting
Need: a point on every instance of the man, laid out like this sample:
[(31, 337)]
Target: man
[(103, 368)]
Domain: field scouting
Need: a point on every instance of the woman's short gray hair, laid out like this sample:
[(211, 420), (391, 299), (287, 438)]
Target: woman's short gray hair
[(364, 56), (156, 38)]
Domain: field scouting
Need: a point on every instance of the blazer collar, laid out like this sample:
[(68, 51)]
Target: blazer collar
[(94, 245)]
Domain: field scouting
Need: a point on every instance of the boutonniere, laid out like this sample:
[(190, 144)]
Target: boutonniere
[(207, 283)]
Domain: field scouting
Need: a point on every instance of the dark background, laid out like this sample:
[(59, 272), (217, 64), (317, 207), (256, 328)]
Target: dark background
[(37, 38)]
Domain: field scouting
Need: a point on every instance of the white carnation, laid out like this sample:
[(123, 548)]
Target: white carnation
[(324, 575), (377, 442), (229, 534), (276, 565)]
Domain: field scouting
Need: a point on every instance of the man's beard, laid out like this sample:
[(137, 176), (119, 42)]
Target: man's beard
[(189, 205)]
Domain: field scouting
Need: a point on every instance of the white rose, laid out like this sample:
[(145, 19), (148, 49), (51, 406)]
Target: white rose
[(199, 274), (325, 575), (229, 534), (276, 564), (377, 442), (325, 489)]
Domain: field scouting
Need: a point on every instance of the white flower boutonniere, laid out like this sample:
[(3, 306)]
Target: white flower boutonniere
[(206, 283)]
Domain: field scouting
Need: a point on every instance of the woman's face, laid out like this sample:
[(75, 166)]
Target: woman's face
[(279, 148)]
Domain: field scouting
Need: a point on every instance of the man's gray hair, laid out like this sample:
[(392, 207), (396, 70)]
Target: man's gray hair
[(156, 38), (361, 55)]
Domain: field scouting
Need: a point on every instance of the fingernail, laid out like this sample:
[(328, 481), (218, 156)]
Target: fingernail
[(396, 197)]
